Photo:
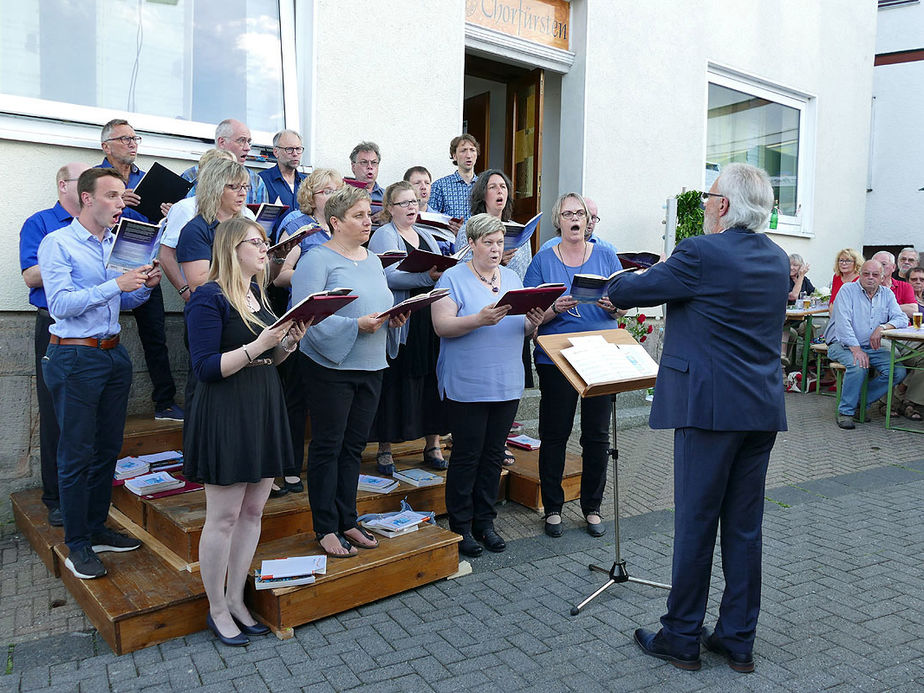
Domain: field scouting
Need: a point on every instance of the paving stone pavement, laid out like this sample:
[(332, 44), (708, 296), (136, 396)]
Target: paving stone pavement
[(842, 609)]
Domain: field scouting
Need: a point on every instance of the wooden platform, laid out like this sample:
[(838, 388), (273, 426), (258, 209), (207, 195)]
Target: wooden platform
[(144, 435), (523, 478)]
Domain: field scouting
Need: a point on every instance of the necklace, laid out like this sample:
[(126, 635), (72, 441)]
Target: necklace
[(489, 282), (573, 311), (345, 252), (252, 303)]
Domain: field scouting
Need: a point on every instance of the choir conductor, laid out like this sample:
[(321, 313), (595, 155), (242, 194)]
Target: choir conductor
[(719, 387)]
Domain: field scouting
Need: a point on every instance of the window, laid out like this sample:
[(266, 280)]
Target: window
[(762, 125), (174, 66)]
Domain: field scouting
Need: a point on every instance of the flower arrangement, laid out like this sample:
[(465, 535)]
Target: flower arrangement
[(636, 326), (822, 293)]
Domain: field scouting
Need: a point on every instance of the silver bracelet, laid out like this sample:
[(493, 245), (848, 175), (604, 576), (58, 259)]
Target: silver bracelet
[(288, 349)]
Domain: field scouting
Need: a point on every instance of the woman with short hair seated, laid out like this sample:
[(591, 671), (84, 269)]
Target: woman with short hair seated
[(559, 264), (346, 358), (409, 406), (235, 437), (480, 374), (799, 284)]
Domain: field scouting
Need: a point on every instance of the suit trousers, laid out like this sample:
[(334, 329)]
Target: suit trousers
[(90, 388), (149, 317), (48, 424), (292, 372), (342, 406), (719, 477), (479, 431), (556, 419)]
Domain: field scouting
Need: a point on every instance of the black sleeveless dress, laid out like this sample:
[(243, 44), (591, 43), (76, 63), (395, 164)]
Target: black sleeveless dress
[(237, 429)]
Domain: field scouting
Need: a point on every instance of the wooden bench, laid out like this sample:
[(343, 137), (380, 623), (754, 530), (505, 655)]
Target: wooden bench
[(821, 352)]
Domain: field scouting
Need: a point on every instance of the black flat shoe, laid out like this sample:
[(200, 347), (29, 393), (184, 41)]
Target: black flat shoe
[(469, 547), (55, 518), (433, 461), (598, 529), (492, 541), (297, 487), (742, 663), (652, 645), (384, 463), (255, 629), (278, 492), (554, 529), (238, 640)]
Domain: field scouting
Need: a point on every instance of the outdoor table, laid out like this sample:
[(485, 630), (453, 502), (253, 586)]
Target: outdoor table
[(806, 314), (914, 342)]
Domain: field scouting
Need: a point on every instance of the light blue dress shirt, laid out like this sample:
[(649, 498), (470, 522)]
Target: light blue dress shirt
[(855, 316), (82, 293)]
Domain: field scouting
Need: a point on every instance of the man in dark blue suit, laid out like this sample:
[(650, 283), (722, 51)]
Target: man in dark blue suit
[(720, 387)]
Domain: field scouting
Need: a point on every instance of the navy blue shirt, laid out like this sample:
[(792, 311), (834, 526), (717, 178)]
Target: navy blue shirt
[(134, 177), (278, 188), (33, 231), (196, 240)]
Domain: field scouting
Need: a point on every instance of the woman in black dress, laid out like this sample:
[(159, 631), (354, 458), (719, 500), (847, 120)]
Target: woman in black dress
[(236, 437)]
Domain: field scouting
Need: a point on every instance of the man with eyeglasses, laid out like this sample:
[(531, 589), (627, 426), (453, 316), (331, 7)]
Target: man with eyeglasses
[(233, 136), (120, 146), (588, 232), (33, 231), (907, 258), (364, 160), (719, 388), (282, 181)]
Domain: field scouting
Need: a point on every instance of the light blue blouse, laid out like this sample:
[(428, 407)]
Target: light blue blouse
[(337, 342), (486, 364)]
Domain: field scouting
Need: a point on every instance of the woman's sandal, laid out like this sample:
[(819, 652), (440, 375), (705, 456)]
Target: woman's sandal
[(434, 461), (343, 542), (366, 535), (910, 412), (509, 459), (388, 467), (895, 412)]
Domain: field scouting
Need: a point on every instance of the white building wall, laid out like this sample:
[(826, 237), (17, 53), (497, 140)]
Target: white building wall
[(895, 206), (645, 105)]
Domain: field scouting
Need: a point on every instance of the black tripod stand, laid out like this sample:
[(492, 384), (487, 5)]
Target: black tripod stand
[(618, 572)]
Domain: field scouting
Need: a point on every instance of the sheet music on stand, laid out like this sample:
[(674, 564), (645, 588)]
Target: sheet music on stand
[(598, 361)]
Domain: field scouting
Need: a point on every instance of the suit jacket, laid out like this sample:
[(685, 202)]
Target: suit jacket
[(726, 303)]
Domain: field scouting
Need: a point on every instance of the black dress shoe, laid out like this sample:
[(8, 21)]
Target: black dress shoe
[(238, 640), (598, 529), (743, 663), (652, 644), (297, 487), (55, 518), (553, 529), (279, 492), (255, 629), (469, 547), (492, 541)]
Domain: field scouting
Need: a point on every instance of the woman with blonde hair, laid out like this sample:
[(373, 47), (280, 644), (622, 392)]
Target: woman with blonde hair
[(846, 270), (235, 437)]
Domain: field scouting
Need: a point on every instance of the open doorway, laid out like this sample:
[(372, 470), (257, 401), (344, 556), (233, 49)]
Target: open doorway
[(503, 109)]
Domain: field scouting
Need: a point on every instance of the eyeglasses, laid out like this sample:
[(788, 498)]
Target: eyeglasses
[(365, 163), (125, 139), (256, 242), (707, 195), (237, 187), (292, 150), (243, 140), (845, 260), (407, 203), (577, 214), (325, 191), (594, 218)]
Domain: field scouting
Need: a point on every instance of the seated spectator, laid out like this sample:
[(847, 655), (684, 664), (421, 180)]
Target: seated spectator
[(853, 341), (846, 270), (907, 260), (904, 294), (910, 392), (799, 284)]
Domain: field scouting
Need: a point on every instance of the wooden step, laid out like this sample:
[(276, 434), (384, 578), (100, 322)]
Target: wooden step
[(177, 520), (523, 479), (398, 564), (144, 435), (31, 518)]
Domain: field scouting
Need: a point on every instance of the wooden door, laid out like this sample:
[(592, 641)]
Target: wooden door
[(476, 121), (524, 144)]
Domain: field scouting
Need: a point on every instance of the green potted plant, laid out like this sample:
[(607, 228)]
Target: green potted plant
[(689, 215)]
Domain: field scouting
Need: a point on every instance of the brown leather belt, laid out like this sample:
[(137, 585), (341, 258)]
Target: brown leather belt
[(108, 343)]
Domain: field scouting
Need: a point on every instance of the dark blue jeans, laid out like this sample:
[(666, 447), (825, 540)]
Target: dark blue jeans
[(89, 387), (48, 424)]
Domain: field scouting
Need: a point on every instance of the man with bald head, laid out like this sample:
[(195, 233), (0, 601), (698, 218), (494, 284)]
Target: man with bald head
[(904, 294), (33, 231), (861, 311), (234, 136)]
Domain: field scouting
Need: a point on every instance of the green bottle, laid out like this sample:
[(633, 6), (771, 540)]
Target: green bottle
[(775, 214)]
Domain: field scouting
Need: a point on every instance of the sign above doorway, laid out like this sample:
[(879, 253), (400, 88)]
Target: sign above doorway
[(541, 21)]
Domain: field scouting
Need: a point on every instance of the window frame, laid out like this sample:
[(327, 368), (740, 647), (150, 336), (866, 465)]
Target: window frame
[(799, 225), (26, 119)]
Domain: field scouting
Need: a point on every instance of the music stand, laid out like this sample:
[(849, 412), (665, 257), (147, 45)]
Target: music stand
[(553, 345)]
